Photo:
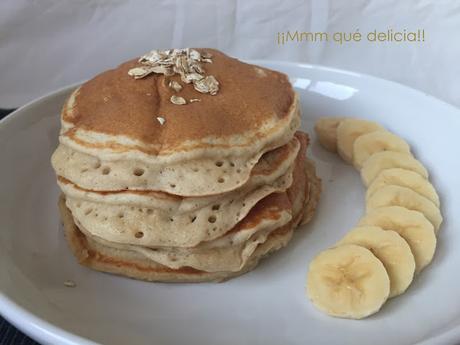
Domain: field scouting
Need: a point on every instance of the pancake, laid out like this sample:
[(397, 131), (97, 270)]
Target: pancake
[(80, 176), (183, 166), (112, 117), (313, 192), (133, 264), (229, 252), (155, 227)]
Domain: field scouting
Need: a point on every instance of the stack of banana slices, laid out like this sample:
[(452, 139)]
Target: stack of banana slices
[(394, 240)]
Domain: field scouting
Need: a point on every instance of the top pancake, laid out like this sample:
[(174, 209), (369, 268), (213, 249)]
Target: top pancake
[(116, 113)]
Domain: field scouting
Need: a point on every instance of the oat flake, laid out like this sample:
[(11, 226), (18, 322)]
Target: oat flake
[(178, 100), (175, 85), (70, 283), (207, 85)]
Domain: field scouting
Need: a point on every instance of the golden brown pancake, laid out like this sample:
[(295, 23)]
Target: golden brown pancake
[(82, 173), (131, 264), (231, 251), (164, 179), (185, 223), (111, 138), (114, 103)]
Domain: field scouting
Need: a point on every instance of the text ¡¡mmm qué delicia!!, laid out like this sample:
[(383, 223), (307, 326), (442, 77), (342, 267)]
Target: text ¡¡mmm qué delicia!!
[(342, 37)]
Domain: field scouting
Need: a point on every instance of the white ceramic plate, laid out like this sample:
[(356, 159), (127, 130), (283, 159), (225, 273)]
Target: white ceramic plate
[(266, 306)]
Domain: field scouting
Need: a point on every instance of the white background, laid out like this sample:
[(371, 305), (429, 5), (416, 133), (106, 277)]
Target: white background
[(47, 44)]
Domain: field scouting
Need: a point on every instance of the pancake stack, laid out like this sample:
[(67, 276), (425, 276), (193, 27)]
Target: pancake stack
[(185, 165)]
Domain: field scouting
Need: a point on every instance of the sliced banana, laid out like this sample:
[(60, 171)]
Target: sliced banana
[(410, 225), (404, 178), (326, 130), (395, 239), (348, 281), (347, 132), (370, 143), (401, 196), (391, 249), (387, 159)]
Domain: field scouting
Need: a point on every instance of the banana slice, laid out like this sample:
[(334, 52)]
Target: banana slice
[(404, 178), (401, 196), (370, 143), (348, 281), (347, 132), (391, 249), (326, 130), (386, 160), (410, 225)]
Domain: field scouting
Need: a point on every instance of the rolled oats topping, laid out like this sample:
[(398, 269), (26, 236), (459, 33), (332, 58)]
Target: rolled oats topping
[(188, 63)]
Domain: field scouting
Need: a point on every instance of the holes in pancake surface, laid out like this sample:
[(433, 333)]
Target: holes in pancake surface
[(83, 170), (138, 172), (120, 215), (192, 219), (195, 169), (139, 234), (221, 180), (219, 163), (232, 164), (97, 165), (172, 185), (149, 211), (105, 171), (238, 171), (171, 219), (215, 207), (212, 219), (88, 211)]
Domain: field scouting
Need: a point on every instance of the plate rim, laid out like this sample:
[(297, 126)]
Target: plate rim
[(48, 333), (23, 319)]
